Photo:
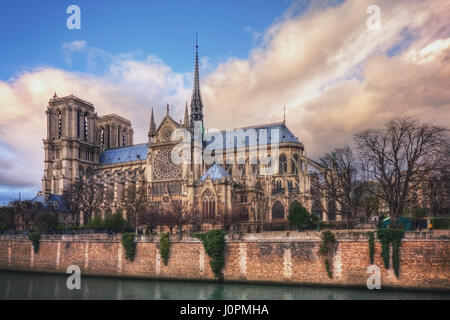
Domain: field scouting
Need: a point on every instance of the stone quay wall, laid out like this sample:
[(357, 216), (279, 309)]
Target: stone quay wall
[(276, 257)]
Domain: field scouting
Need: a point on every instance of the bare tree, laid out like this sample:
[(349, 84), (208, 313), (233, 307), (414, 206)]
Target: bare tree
[(150, 217), (229, 218), (260, 208), (86, 195), (397, 156), (180, 215), (434, 195), (341, 182), (134, 202)]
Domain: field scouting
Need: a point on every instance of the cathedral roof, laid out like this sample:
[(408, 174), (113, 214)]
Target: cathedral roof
[(285, 135), (215, 172), (125, 154), (54, 201)]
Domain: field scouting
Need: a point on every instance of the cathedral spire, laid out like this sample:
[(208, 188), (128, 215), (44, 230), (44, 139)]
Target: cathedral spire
[(196, 101), (152, 130), (186, 117)]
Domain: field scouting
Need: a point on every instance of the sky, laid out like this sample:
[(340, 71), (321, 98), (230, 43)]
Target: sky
[(334, 74)]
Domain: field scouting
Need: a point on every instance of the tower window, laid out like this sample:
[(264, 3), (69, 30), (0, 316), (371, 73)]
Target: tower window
[(102, 138), (78, 124), (85, 127), (59, 125)]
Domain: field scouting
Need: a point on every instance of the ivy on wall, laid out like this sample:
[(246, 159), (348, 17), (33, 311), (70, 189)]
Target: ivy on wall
[(129, 245), (214, 244), (394, 236), (327, 249), (371, 245), (35, 238), (164, 244)]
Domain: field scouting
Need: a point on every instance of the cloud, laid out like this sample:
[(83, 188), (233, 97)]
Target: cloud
[(334, 76), (130, 87)]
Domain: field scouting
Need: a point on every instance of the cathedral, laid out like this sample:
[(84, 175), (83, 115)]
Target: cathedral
[(81, 144)]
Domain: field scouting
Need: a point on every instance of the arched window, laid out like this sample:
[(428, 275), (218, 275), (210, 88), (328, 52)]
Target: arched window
[(85, 127), (283, 164), (108, 141), (102, 137), (79, 124), (294, 164), (81, 172), (59, 124), (277, 211), (244, 214), (317, 210), (208, 205), (119, 131), (331, 211)]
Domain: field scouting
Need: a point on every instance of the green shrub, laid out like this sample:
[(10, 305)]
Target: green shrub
[(394, 236), (443, 223), (129, 245), (371, 245), (164, 245), (35, 238), (115, 222), (214, 244), (298, 215), (327, 250)]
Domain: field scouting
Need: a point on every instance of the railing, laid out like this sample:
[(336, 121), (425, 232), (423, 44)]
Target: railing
[(277, 190)]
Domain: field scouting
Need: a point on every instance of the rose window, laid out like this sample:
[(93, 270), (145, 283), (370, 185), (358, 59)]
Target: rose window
[(164, 168)]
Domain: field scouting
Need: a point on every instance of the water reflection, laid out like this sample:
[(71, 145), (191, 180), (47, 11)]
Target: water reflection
[(18, 285)]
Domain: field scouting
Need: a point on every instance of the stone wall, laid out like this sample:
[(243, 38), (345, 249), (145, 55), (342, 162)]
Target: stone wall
[(291, 258)]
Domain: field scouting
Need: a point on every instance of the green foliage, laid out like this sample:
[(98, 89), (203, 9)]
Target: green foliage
[(35, 238), (258, 229), (214, 244), (371, 245), (327, 265), (95, 223), (394, 236), (164, 245), (129, 245), (248, 229), (327, 249), (114, 222), (298, 215), (443, 223)]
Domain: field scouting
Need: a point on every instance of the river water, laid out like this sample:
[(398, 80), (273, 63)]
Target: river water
[(20, 285)]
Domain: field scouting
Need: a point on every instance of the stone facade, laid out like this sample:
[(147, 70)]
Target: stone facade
[(424, 260), (80, 144)]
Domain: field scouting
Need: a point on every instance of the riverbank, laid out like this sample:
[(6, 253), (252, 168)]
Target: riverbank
[(276, 258)]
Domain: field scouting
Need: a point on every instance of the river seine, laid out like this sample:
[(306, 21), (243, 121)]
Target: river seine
[(21, 285)]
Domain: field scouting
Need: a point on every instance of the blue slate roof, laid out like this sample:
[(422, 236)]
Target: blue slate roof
[(62, 204), (285, 136), (125, 154), (215, 172)]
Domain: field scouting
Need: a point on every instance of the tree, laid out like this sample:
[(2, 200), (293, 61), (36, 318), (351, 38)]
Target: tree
[(397, 156), (298, 215), (150, 218), (45, 220), (341, 182), (229, 218), (135, 202), (179, 215), (260, 207), (115, 222), (86, 195)]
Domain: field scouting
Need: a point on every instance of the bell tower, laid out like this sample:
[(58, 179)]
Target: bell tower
[(71, 148)]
